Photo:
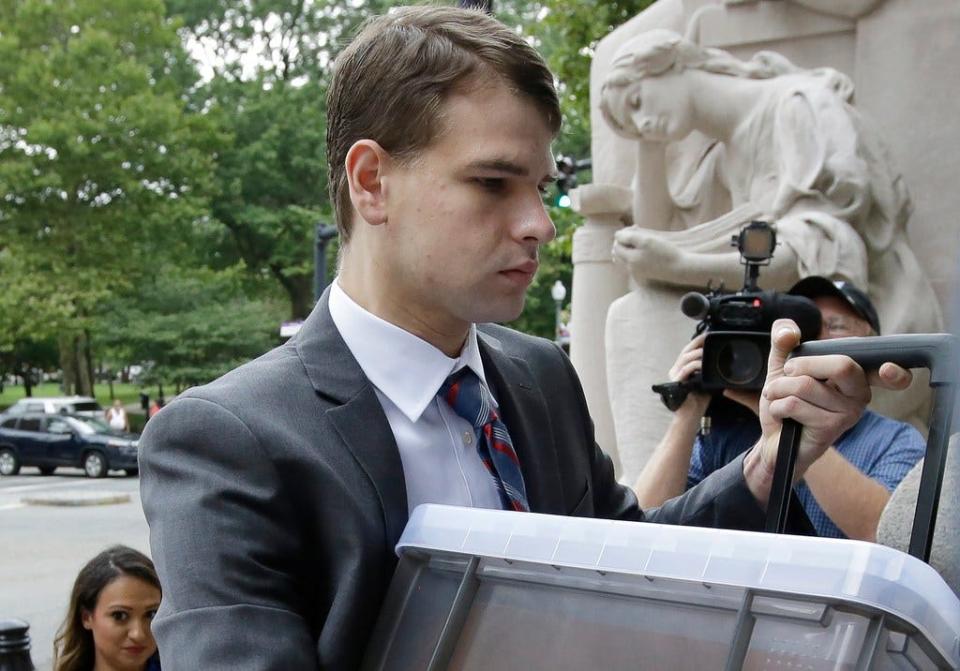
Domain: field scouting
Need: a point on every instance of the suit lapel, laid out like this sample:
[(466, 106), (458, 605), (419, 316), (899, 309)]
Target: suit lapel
[(524, 411), (357, 415)]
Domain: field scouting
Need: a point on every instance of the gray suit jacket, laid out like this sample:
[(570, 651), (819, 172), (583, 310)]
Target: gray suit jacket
[(275, 496)]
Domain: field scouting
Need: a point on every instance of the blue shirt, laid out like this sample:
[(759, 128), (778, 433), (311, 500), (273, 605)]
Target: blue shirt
[(882, 448)]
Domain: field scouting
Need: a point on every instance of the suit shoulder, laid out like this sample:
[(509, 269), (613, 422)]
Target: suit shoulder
[(269, 373)]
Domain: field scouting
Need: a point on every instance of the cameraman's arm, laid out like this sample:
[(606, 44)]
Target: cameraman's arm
[(851, 499), (665, 474)]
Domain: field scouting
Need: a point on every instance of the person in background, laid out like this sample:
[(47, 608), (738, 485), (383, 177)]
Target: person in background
[(155, 406), (846, 489), (117, 416), (107, 627)]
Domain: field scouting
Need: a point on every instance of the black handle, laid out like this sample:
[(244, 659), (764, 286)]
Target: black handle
[(779, 501), (938, 352)]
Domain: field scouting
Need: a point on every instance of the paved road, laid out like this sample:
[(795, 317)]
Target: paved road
[(43, 547)]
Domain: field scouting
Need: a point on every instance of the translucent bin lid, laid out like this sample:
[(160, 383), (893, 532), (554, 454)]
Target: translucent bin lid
[(829, 570)]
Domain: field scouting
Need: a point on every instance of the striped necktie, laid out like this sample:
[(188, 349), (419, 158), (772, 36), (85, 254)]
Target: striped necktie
[(471, 400)]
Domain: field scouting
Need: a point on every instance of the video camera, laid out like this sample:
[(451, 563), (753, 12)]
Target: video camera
[(738, 324)]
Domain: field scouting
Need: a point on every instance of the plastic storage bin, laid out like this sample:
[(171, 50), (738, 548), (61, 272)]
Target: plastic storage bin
[(483, 589)]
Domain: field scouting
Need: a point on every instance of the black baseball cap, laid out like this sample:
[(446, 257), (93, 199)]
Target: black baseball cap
[(815, 285)]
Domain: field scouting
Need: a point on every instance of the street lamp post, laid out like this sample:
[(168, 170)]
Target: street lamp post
[(558, 292)]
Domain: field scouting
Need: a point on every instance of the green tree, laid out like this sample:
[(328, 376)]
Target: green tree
[(267, 63), (188, 326), (102, 166), (271, 183)]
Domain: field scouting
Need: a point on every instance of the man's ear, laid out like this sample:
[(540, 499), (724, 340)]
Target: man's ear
[(365, 165)]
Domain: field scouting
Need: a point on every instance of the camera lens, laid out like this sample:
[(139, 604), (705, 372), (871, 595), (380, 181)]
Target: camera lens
[(739, 362)]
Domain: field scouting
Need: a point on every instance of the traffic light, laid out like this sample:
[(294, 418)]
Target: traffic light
[(568, 167)]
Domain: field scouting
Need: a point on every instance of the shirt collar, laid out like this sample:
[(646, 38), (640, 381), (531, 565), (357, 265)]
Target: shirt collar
[(405, 368)]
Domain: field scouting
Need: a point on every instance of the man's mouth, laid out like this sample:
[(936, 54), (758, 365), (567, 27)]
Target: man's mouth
[(523, 272)]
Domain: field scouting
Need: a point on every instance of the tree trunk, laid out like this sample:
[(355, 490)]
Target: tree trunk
[(76, 364), (85, 365), (299, 289), (27, 381), (301, 299), (68, 364)]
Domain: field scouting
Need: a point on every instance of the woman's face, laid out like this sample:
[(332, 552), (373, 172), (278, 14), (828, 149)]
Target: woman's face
[(655, 108), (120, 624)]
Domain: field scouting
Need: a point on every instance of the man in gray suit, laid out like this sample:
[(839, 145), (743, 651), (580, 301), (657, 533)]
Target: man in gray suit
[(275, 494)]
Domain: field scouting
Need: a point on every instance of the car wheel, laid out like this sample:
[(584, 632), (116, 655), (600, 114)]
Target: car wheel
[(94, 465), (132, 472), (47, 470), (9, 464)]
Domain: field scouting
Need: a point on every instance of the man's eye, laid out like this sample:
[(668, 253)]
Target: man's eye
[(837, 327), (493, 184)]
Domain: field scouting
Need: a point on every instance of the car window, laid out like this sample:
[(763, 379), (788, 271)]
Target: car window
[(57, 426), (86, 406), (86, 426), (33, 407), (9, 423), (29, 424)]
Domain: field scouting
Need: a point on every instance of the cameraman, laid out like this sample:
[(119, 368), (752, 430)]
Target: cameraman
[(846, 489)]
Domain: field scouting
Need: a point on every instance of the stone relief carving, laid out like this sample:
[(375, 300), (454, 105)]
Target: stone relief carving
[(720, 141), (850, 9)]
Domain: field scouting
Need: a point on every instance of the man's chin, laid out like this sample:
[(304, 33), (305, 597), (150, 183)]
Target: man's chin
[(501, 314)]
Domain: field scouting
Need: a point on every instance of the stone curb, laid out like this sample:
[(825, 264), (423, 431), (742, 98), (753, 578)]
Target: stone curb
[(76, 499)]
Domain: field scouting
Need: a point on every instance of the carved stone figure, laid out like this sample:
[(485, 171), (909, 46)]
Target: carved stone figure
[(719, 142)]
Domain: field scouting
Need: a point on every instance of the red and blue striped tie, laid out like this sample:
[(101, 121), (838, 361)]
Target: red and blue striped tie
[(471, 400)]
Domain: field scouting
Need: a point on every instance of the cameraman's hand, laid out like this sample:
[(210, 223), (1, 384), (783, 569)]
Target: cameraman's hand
[(690, 361), (826, 394)]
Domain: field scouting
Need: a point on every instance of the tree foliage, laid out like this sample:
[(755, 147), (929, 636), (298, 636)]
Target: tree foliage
[(268, 60), (162, 170), (188, 326), (101, 165)]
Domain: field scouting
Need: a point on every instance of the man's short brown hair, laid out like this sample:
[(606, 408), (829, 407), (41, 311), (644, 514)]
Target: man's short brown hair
[(390, 83)]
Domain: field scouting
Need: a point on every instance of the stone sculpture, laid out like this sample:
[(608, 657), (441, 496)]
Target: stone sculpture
[(720, 141)]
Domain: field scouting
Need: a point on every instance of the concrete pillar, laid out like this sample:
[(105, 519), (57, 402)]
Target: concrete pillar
[(597, 282)]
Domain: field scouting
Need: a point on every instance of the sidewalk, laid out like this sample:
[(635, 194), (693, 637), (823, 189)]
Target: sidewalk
[(76, 498)]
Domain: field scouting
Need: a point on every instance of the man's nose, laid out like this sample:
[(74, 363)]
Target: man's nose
[(536, 223)]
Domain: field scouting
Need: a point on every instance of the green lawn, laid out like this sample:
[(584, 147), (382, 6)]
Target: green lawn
[(128, 393)]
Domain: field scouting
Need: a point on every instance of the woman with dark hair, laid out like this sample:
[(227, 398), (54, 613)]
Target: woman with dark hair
[(107, 627)]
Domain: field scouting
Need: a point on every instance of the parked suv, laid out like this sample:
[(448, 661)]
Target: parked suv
[(71, 405), (48, 441)]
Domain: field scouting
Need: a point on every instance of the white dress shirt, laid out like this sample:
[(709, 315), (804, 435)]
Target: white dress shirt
[(437, 446)]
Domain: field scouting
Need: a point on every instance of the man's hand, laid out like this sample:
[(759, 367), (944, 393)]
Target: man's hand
[(826, 394)]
